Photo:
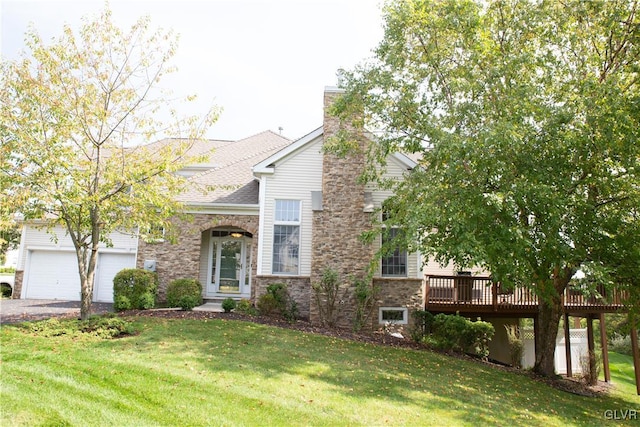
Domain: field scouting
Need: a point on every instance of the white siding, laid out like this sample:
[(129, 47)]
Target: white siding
[(295, 177), (395, 170), (35, 237), (431, 267)]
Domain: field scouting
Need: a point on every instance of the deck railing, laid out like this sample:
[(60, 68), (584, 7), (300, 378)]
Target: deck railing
[(470, 293)]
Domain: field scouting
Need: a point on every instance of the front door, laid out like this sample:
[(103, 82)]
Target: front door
[(229, 261)]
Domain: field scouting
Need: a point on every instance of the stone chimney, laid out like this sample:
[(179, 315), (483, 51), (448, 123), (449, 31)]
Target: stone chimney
[(337, 227)]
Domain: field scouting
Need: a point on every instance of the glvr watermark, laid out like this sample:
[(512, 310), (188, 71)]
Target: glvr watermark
[(621, 414)]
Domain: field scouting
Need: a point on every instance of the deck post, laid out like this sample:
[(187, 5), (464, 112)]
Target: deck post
[(494, 295), (605, 349), (636, 355), (591, 343), (567, 344)]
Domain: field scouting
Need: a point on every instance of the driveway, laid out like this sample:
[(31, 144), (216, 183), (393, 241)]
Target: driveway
[(19, 310)]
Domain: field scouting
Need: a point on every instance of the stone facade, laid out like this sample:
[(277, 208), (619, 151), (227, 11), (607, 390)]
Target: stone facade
[(181, 259), (336, 242), (402, 292), (299, 288), (17, 284)]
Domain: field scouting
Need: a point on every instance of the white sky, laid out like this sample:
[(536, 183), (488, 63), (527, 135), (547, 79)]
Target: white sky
[(265, 62)]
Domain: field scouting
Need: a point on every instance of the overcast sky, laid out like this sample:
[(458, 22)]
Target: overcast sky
[(265, 62)]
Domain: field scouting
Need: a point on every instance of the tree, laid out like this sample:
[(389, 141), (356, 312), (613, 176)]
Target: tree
[(526, 118), (74, 119)]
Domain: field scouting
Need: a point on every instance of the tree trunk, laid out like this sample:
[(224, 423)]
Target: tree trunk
[(549, 313)]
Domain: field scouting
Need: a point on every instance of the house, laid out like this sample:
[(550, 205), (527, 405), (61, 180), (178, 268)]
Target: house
[(272, 210), (266, 210)]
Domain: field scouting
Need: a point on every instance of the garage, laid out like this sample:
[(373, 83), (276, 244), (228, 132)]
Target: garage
[(54, 275)]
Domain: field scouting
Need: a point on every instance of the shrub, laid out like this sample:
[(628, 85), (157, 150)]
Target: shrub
[(121, 302), (277, 302), (134, 289), (184, 293), (246, 307), (458, 334), (326, 297), (6, 290), (516, 346), (421, 326), (96, 326), (228, 304), (621, 344), (590, 364), (366, 294)]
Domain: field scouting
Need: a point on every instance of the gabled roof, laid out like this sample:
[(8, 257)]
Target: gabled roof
[(266, 166), (229, 180)]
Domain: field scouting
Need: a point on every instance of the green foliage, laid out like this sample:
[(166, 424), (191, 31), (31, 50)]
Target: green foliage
[(134, 288), (421, 325), (366, 294), (103, 327), (245, 306), (121, 303), (525, 118), (516, 346), (621, 344), (82, 158), (184, 293), (228, 304), (458, 334), (278, 302), (4, 270), (5, 290), (325, 295)]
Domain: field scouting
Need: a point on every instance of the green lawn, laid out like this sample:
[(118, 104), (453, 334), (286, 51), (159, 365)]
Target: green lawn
[(217, 372)]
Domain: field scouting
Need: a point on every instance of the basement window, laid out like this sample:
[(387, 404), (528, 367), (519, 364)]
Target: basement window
[(396, 315)]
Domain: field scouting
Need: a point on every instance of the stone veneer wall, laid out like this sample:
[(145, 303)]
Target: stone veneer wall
[(299, 288), (396, 292), (181, 259), (17, 284), (337, 227)]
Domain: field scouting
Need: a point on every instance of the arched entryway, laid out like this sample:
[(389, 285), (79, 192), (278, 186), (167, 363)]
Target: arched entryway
[(229, 263)]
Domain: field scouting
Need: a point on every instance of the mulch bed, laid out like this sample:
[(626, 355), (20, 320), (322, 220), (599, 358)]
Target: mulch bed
[(570, 385)]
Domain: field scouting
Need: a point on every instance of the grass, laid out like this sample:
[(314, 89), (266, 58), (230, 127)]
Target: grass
[(622, 374), (217, 372)]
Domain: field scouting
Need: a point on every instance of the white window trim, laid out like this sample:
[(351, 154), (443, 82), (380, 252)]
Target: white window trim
[(406, 260), (297, 223), (405, 315)]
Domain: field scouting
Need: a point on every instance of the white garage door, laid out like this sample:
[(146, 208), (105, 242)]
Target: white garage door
[(54, 275), (109, 264)]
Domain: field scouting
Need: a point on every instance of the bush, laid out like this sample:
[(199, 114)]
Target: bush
[(277, 302), (104, 327), (326, 297), (366, 293), (246, 307), (621, 344), (228, 304), (184, 293), (516, 346), (421, 327), (134, 289), (458, 334)]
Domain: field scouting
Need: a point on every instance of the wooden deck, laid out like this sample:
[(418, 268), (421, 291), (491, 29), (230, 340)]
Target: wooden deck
[(480, 295)]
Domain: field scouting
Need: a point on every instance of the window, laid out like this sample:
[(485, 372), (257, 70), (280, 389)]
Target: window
[(396, 315), (286, 237), (154, 234), (394, 263)]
